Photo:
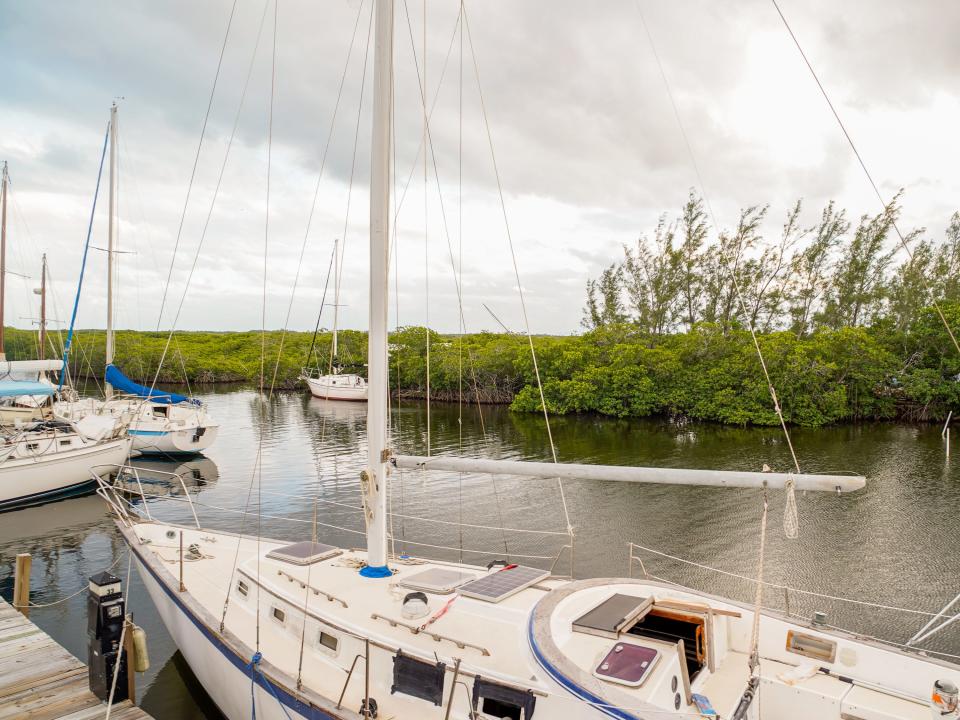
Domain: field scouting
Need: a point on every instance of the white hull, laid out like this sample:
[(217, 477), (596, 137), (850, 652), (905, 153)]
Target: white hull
[(172, 442), (156, 428), (218, 660), (333, 387), (29, 480)]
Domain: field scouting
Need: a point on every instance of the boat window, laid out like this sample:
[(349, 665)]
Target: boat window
[(242, 588), (502, 701), (279, 614), (671, 626), (330, 642), (417, 678), (65, 443), (811, 646), (33, 446), (160, 410)]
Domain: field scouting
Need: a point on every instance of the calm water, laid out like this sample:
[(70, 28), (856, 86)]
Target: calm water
[(896, 542)]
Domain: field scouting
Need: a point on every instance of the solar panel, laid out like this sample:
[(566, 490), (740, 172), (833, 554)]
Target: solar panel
[(503, 583), (437, 580), (304, 553)]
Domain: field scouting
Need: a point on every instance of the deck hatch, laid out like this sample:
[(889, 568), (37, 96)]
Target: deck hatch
[(613, 615), (503, 583), (304, 553), (418, 678), (440, 581), (627, 664)]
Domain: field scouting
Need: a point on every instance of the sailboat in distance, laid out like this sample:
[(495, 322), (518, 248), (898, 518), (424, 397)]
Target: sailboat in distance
[(334, 384), (160, 422), (306, 630)]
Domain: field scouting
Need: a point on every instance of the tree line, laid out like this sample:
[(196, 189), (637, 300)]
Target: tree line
[(831, 274)]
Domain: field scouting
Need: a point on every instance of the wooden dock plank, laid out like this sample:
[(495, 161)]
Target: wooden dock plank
[(39, 680)]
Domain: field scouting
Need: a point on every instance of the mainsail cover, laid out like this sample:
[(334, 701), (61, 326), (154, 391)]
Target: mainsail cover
[(124, 384)]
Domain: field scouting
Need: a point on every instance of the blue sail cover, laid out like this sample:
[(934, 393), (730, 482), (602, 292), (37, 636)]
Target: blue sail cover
[(125, 385), (18, 388)]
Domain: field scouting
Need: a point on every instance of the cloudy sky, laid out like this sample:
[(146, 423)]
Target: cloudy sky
[(587, 145)]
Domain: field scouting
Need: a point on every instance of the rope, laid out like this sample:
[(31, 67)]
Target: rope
[(866, 172), (516, 271), (123, 632), (791, 521), (758, 602), (254, 666), (68, 597)]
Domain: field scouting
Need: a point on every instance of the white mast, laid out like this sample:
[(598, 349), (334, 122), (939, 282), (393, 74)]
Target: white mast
[(336, 302), (374, 478), (110, 230)]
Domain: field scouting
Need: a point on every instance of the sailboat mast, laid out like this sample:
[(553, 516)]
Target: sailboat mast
[(375, 475), (43, 307), (4, 181), (336, 301), (110, 230)]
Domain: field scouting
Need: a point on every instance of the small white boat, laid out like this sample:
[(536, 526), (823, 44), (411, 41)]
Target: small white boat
[(335, 385), (338, 387)]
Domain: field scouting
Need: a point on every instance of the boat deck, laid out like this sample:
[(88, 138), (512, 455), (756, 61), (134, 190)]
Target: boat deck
[(42, 681)]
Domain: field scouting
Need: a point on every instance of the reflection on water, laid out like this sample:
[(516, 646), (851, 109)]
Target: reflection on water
[(889, 543)]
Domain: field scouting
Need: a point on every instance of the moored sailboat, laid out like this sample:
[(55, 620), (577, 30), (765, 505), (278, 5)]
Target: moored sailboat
[(160, 422), (335, 384)]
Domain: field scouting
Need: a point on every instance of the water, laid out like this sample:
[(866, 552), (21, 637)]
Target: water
[(896, 542)]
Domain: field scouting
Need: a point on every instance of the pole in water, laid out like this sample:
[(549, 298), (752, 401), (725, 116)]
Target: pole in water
[(21, 584)]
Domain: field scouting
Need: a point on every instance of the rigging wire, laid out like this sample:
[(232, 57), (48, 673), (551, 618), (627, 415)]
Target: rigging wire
[(337, 267), (313, 207), (723, 259), (263, 308), (428, 147), (196, 160), (516, 272), (866, 172)]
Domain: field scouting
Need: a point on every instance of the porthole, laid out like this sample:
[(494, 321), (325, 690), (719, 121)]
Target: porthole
[(278, 614), (242, 588), (673, 684), (330, 642)]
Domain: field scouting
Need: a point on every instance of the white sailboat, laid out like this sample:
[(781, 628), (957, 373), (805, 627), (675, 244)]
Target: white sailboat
[(335, 385), (160, 422), (49, 459), (304, 630)]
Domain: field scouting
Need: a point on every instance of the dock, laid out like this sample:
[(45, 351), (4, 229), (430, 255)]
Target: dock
[(39, 680)]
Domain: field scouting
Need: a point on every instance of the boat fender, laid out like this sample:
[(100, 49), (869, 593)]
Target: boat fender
[(944, 701), (141, 658), (415, 605)]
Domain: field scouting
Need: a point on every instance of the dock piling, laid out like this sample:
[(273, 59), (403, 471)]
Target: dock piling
[(21, 583)]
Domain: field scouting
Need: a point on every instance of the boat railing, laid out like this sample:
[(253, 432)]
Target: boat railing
[(791, 597), (120, 471)]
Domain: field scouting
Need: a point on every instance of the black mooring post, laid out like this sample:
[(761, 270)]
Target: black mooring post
[(105, 618)]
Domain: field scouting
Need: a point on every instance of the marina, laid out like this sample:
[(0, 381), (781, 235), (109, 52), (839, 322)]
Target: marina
[(728, 494)]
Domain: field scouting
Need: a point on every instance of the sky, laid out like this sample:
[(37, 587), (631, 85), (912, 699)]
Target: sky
[(570, 103)]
